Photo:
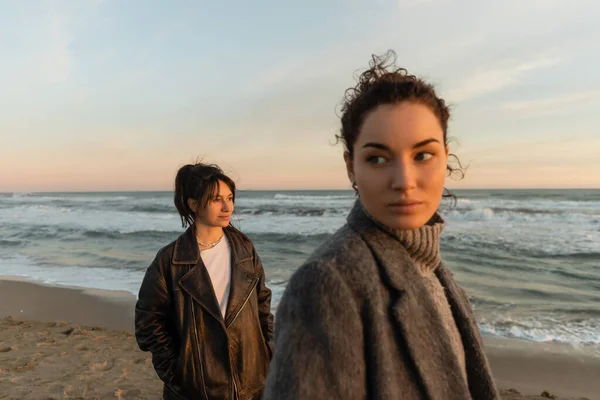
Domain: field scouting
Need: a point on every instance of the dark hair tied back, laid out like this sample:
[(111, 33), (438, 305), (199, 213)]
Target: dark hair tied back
[(199, 182)]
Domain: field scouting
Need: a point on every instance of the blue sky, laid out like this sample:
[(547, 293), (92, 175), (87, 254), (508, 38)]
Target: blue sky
[(116, 95)]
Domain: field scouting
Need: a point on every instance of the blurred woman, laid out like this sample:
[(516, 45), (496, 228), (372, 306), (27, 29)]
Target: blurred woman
[(374, 313)]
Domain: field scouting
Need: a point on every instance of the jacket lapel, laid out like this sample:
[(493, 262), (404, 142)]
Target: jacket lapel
[(243, 275), (481, 383), (196, 282), (414, 312)]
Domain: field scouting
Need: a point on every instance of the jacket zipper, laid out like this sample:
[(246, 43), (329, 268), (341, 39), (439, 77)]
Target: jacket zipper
[(199, 355), (242, 307), (235, 388)]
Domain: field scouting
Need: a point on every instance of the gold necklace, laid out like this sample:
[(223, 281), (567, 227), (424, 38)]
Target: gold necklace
[(210, 245)]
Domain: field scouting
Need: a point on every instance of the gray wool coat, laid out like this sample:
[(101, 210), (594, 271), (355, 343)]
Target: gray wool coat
[(356, 321)]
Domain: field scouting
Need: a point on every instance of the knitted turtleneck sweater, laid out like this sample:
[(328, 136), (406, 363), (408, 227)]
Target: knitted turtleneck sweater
[(423, 247)]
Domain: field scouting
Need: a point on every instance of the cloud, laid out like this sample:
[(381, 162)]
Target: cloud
[(486, 81), (542, 106)]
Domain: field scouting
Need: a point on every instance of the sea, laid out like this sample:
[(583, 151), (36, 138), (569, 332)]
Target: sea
[(529, 259)]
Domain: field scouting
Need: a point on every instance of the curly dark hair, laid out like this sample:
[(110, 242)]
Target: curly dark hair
[(385, 83), (199, 182)]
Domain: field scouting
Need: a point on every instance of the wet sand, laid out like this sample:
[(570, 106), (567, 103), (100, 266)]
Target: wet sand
[(59, 342)]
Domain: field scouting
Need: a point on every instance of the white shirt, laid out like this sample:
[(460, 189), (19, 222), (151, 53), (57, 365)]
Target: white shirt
[(218, 263)]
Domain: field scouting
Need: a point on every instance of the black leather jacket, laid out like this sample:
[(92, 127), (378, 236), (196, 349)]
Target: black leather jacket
[(196, 352)]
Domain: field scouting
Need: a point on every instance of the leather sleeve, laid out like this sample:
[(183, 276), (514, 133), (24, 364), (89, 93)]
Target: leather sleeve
[(264, 305), (152, 314)]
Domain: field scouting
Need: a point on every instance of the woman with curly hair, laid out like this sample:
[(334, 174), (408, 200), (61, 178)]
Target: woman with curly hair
[(374, 313)]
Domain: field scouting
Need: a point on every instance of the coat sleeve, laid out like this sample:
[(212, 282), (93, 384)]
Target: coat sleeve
[(152, 315), (319, 350), (264, 305)]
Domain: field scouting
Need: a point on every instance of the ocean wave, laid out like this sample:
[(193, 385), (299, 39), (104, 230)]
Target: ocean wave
[(74, 197), (146, 234), (583, 256), (544, 329), (533, 206), (266, 203), (499, 246), (579, 314), (579, 275), (524, 210), (489, 303), (296, 211), (10, 243), (151, 208), (107, 261), (287, 237), (105, 278), (312, 205), (313, 197), (574, 195), (74, 233), (519, 249), (518, 215), (18, 195), (290, 224)]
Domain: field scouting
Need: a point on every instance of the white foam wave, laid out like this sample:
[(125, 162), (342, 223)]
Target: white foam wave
[(32, 198), (18, 195), (280, 196), (473, 221), (538, 329), (532, 234), (580, 332), (543, 206), (289, 224), (295, 202), (90, 278), (122, 279), (83, 219), (89, 219)]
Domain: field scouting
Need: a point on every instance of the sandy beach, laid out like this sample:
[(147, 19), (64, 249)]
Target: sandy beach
[(61, 342)]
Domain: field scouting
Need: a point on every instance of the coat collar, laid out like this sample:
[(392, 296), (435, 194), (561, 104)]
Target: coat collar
[(422, 244), (196, 282), (414, 311)]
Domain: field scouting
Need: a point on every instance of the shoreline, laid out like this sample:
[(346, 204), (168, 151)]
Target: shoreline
[(29, 300), (529, 367)]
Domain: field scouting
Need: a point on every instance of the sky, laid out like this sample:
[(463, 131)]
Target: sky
[(111, 95)]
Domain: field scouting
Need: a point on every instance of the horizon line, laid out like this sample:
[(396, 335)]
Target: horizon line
[(288, 190)]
